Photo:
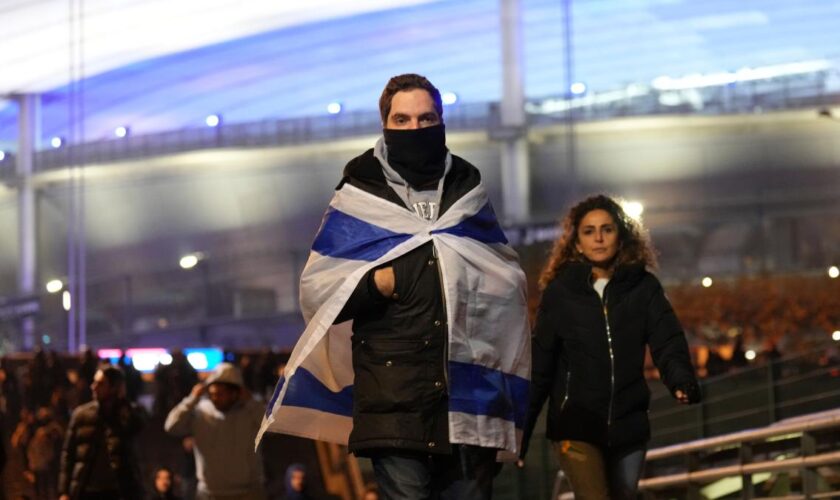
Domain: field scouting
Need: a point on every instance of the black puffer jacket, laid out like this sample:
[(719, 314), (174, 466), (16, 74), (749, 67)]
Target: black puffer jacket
[(120, 428), (399, 342), (595, 380)]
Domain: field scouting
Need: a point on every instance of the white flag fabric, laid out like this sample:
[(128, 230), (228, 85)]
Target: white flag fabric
[(489, 364)]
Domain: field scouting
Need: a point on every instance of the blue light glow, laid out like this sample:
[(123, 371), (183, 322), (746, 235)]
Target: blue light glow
[(212, 120), (334, 108), (204, 358)]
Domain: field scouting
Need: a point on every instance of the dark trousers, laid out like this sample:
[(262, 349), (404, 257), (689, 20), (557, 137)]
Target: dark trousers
[(466, 474), (598, 473)]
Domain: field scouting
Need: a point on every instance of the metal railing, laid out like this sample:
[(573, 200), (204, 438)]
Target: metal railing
[(751, 397), (690, 441), (795, 446)]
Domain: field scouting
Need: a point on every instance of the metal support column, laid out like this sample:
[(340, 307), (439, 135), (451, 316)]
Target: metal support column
[(571, 116), (516, 178), (29, 120)]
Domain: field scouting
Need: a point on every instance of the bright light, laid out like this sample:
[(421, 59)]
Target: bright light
[(46, 339), (750, 355), (145, 359), (121, 132), (212, 120), (634, 209), (836, 335), (707, 282), (54, 286), (578, 88), (334, 108), (2, 155), (66, 300), (165, 359), (204, 358), (56, 142), (109, 353), (449, 98), (189, 261), (833, 272), (198, 360)]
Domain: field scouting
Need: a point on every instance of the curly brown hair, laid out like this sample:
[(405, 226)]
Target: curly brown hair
[(634, 243)]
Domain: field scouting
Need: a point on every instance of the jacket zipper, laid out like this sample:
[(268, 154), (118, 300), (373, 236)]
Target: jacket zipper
[(612, 365), (566, 395)]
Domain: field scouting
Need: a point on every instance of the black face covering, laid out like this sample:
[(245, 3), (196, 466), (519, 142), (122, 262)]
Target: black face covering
[(418, 155)]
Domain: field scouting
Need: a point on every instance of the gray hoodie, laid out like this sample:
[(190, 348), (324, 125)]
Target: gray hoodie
[(225, 461), (425, 204)]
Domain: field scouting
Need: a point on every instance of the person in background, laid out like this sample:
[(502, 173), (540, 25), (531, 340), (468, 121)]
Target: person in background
[(42, 454), (164, 485), (87, 369), (173, 382), (224, 428), (600, 308), (296, 483), (98, 460), (133, 378)]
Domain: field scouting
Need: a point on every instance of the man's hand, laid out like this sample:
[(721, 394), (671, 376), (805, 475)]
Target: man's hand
[(384, 279), (681, 396), (197, 390)]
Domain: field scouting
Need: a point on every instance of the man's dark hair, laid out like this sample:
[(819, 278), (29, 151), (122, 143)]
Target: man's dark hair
[(114, 375), (408, 81)]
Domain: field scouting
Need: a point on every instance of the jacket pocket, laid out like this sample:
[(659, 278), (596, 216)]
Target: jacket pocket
[(389, 375)]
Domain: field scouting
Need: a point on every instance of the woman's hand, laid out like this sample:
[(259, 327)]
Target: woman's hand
[(688, 393)]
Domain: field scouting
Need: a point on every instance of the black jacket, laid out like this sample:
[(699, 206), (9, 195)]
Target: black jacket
[(87, 427), (594, 380), (399, 342)]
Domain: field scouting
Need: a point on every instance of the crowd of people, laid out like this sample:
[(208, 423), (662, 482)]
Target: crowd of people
[(65, 419)]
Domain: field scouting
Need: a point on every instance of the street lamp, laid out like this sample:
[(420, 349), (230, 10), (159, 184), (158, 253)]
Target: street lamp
[(55, 286), (190, 260), (198, 259)]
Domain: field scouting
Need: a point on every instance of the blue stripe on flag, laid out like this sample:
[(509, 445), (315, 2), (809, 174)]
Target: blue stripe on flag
[(478, 390), (347, 237), (306, 391), (483, 226), (274, 396)]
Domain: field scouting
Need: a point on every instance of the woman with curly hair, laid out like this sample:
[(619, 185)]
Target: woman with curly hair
[(600, 308)]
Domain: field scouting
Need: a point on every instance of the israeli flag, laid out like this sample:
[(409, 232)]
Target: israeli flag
[(489, 343)]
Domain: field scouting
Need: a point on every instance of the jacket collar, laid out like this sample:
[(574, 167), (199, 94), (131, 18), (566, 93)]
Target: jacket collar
[(578, 276)]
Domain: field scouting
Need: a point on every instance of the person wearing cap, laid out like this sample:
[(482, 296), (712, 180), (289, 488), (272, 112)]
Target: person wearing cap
[(224, 426)]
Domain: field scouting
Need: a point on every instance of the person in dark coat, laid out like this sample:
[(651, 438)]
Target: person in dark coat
[(400, 413), (600, 309), (98, 460)]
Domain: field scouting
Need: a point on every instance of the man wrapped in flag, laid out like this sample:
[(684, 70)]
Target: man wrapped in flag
[(416, 351)]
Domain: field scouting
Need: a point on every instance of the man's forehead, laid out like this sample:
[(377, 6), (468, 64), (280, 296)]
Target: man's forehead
[(412, 100)]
